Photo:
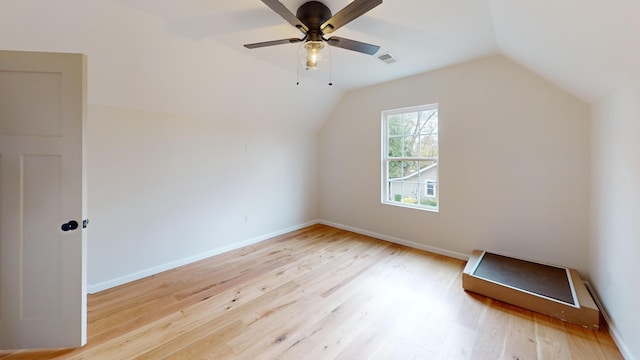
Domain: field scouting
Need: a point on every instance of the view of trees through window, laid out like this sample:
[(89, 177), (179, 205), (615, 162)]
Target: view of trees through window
[(411, 160)]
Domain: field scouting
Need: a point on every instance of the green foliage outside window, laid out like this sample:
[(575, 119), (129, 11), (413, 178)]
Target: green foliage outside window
[(413, 134)]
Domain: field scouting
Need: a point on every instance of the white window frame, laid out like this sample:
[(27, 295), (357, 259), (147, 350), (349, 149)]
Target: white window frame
[(386, 159)]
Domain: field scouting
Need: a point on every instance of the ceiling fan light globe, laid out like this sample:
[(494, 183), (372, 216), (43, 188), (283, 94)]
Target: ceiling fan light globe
[(312, 54)]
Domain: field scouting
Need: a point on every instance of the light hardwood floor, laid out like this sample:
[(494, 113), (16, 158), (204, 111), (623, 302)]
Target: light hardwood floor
[(320, 293)]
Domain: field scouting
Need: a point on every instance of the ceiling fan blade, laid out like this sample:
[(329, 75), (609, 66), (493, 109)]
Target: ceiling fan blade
[(272, 43), (353, 45), (282, 10), (352, 11)]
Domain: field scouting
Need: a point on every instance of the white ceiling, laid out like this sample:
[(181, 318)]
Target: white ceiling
[(186, 57), (423, 35), (587, 47)]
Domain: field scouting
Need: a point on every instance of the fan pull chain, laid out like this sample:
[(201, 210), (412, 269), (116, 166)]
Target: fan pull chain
[(297, 70), (330, 66)]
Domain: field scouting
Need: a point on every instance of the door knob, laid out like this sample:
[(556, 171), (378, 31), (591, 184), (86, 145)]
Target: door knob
[(71, 225)]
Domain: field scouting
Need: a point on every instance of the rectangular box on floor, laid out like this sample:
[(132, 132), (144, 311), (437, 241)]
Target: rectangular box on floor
[(551, 290)]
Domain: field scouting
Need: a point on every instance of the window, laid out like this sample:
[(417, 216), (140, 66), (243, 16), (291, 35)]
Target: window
[(430, 189), (410, 157)]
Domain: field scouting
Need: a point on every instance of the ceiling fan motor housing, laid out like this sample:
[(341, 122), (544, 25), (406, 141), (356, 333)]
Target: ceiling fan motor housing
[(313, 14)]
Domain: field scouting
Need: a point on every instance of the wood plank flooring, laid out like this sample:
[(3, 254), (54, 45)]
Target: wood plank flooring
[(320, 293)]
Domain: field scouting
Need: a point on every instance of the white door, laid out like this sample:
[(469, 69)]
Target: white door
[(42, 268)]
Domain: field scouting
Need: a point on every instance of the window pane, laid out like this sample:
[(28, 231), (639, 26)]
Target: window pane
[(428, 165), (395, 170), (411, 193), (411, 146), (428, 145), (429, 121), (394, 125), (429, 133), (410, 169), (410, 121), (432, 145), (395, 191), (394, 146)]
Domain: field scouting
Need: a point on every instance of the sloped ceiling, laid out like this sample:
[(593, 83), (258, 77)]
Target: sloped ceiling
[(587, 47), (186, 57)]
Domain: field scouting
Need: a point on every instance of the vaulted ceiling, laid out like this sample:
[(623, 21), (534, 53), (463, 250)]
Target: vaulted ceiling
[(186, 57)]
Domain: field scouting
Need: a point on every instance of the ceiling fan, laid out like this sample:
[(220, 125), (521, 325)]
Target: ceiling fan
[(314, 20)]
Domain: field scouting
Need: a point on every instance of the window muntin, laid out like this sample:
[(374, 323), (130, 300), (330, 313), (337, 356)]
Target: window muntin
[(410, 157)]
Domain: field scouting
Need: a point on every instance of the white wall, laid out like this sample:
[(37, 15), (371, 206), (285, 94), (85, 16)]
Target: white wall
[(138, 60), (615, 211), (164, 190), (168, 189), (514, 163)]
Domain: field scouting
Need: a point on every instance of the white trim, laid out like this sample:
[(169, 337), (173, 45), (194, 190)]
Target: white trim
[(92, 289), (395, 240), (412, 206), (613, 331), (426, 107)]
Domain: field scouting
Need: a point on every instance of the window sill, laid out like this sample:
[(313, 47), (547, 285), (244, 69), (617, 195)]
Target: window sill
[(412, 206)]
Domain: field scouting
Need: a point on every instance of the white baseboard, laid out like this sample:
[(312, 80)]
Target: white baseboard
[(415, 245), (626, 353), (94, 288)]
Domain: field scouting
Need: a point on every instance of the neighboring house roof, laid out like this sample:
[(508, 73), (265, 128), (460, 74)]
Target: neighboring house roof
[(425, 169)]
